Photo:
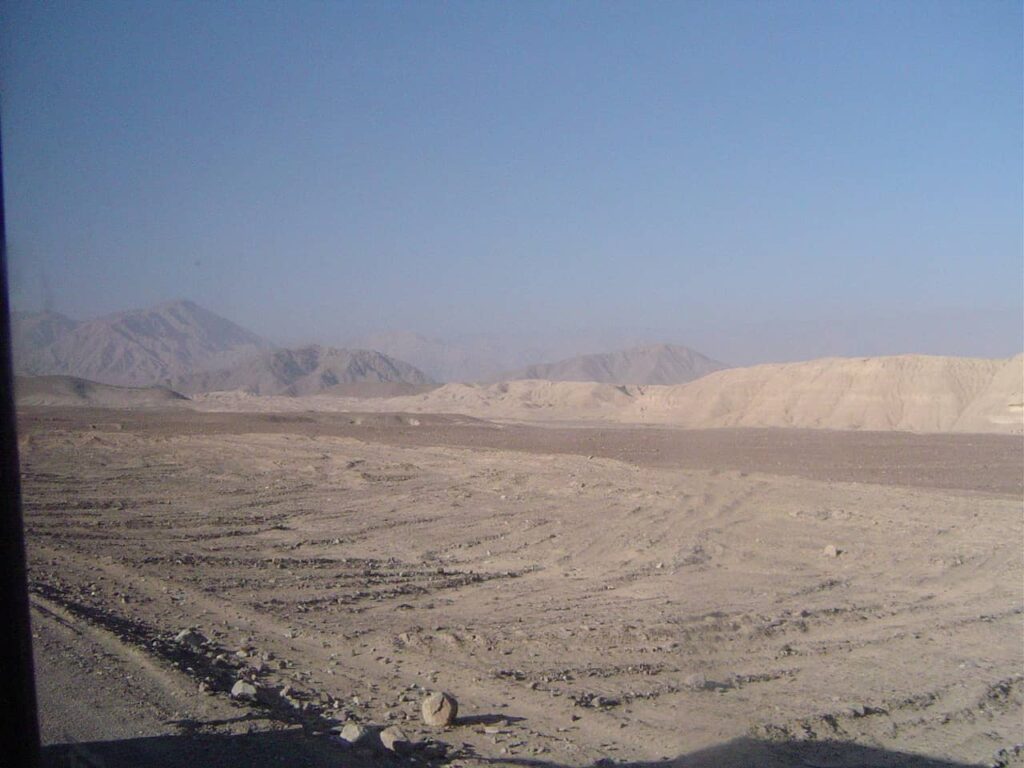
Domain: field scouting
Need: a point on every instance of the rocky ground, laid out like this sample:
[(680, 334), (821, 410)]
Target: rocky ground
[(236, 589)]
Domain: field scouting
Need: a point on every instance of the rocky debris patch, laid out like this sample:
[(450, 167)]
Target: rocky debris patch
[(439, 709), (1009, 757), (190, 638), (219, 671), (509, 674), (594, 701)]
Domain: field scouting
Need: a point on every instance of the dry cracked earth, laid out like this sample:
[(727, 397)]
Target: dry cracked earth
[(727, 598)]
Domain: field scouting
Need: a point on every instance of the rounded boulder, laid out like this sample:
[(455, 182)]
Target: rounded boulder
[(439, 709)]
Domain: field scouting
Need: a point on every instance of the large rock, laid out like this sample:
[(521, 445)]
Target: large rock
[(439, 709), (243, 689)]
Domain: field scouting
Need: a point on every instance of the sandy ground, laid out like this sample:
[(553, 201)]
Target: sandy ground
[(589, 595)]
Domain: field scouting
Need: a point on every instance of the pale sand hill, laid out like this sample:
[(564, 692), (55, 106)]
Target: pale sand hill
[(914, 393), (527, 398), (1002, 402)]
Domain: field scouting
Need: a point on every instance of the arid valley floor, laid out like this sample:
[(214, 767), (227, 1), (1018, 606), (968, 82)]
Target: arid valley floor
[(591, 595)]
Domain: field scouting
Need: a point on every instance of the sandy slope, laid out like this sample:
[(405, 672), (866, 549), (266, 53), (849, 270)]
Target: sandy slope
[(913, 393), (68, 390)]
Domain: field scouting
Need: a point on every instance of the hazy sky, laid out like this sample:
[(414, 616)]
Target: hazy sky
[(759, 180)]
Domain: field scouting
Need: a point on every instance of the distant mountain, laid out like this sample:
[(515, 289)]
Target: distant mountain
[(651, 364), (32, 331), (484, 357), (441, 360), (134, 348), (308, 370)]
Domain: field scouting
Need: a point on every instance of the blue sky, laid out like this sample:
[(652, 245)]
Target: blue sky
[(760, 180)]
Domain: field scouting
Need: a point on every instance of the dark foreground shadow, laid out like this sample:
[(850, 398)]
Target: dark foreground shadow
[(296, 748), (488, 720)]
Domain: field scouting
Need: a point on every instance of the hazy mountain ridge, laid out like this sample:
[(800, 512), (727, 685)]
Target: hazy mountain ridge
[(308, 370), (439, 359), (134, 348), (32, 331), (647, 364), (488, 357)]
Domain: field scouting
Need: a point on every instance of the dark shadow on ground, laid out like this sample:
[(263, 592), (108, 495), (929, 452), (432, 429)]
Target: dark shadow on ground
[(270, 749), (488, 720)]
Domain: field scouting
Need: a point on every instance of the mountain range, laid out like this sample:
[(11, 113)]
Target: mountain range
[(184, 346), (191, 349), (136, 348), (650, 364), (310, 370)]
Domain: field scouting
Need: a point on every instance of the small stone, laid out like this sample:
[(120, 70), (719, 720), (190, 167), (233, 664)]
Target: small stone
[(394, 739), (831, 551), (439, 709), (354, 733), (243, 689)]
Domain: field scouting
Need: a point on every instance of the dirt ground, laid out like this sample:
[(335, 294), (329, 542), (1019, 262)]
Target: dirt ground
[(591, 595)]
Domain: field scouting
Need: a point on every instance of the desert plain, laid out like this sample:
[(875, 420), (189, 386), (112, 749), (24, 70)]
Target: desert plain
[(592, 593)]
